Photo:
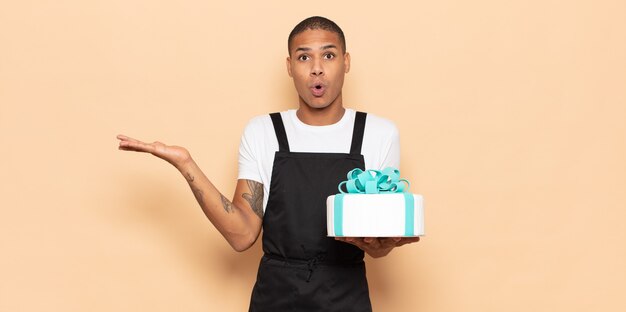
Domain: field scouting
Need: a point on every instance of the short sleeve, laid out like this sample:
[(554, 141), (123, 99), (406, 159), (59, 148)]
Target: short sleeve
[(249, 154)]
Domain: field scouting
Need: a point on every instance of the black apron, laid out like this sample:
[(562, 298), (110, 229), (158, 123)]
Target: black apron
[(303, 269)]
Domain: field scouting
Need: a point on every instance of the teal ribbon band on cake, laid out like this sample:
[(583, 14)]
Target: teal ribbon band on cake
[(409, 214), (338, 214)]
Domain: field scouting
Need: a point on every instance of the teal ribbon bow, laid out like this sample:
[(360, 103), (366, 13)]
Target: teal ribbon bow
[(374, 182)]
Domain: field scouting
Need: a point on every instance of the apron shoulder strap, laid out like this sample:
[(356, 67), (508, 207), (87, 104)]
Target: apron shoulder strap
[(357, 133), (281, 135)]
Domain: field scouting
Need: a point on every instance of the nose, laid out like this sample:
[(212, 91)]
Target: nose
[(316, 69)]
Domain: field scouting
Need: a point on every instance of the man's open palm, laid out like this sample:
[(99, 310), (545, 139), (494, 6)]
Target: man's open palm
[(175, 155)]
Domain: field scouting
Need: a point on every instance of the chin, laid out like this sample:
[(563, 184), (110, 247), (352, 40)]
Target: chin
[(318, 106), (318, 103)]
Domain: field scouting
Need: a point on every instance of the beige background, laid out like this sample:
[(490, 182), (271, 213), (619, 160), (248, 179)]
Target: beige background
[(512, 118)]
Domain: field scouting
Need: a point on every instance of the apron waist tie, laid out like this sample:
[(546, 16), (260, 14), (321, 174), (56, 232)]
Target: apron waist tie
[(310, 264)]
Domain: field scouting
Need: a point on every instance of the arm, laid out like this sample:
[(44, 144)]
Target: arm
[(239, 220)]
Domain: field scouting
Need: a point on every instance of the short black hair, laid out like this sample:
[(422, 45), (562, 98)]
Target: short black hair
[(317, 22)]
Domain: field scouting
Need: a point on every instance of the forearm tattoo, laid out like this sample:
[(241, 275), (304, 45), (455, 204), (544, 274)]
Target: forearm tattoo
[(190, 177), (197, 193), (228, 206), (256, 198)]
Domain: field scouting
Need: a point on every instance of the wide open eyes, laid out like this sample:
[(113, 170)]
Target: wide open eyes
[(305, 57)]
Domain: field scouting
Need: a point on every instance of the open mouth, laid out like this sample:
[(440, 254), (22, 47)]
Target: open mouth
[(318, 90)]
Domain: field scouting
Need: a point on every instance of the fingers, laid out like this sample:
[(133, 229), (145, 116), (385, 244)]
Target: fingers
[(374, 242), (407, 240), (388, 242), (365, 243), (126, 138), (129, 144), (398, 241)]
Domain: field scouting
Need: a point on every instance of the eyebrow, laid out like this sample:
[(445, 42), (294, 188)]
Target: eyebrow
[(326, 47)]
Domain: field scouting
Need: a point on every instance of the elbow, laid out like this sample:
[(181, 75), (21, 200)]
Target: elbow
[(242, 238), (241, 247), (243, 244)]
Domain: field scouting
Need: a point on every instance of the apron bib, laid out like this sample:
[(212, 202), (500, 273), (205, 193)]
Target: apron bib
[(303, 269)]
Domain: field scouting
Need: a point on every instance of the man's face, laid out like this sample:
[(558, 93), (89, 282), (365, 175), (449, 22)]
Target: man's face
[(317, 65)]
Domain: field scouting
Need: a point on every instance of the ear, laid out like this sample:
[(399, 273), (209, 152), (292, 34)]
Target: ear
[(346, 61), (289, 66)]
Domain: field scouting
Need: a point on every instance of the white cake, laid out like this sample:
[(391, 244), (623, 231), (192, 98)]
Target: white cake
[(375, 215)]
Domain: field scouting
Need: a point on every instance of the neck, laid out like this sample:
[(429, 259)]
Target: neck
[(325, 116)]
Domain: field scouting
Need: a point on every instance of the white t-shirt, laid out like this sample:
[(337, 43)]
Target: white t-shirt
[(380, 149)]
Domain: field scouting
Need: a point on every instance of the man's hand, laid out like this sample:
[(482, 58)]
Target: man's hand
[(378, 247), (175, 155)]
